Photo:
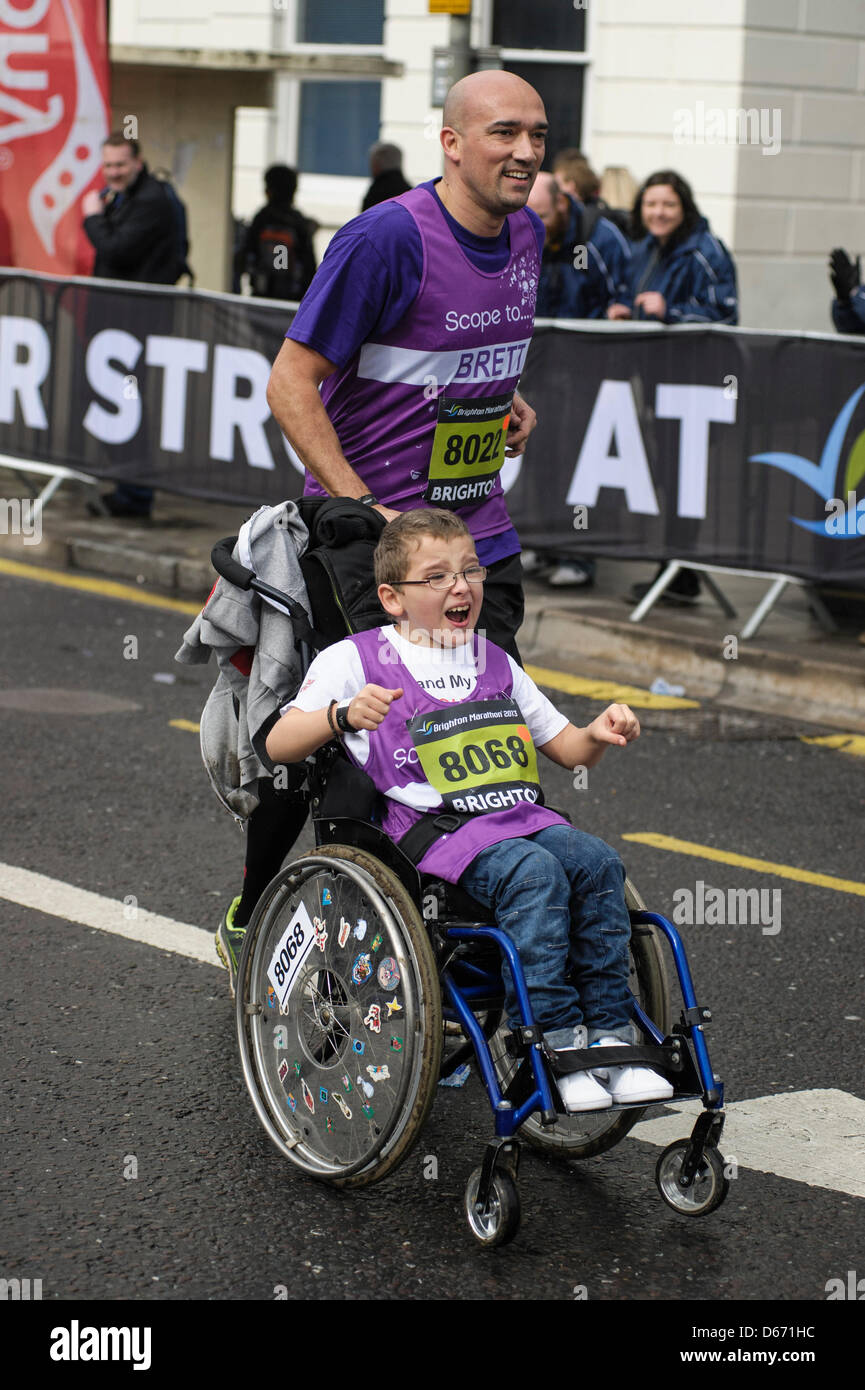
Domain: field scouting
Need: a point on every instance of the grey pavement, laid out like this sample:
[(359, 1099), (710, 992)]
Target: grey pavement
[(790, 667)]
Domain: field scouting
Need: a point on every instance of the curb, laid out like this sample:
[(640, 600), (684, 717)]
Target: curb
[(820, 692), (177, 575)]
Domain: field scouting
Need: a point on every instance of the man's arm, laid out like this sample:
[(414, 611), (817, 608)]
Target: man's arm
[(522, 422), (293, 396)]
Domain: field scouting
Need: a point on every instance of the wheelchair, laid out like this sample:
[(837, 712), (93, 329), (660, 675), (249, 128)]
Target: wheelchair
[(362, 984)]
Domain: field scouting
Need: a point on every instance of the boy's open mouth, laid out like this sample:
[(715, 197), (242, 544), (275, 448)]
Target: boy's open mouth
[(458, 615)]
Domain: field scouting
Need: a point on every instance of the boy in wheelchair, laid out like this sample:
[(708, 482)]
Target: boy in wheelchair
[(447, 726)]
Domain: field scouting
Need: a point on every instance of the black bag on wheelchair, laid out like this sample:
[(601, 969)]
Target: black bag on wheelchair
[(338, 563)]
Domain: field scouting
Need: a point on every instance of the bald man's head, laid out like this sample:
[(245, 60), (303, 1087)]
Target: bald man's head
[(493, 136), (484, 95), (551, 205)]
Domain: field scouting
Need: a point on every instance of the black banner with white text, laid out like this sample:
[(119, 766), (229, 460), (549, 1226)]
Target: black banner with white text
[(714, 444)]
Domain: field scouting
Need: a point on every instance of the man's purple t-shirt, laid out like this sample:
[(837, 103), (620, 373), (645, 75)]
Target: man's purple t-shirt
[(368, 280)]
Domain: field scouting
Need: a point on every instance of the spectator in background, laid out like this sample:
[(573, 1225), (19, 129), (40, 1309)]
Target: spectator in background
[(388, 181), (848, 306), (617, 194), (680, 273), (576, 177), (137, 225), (585, 263), (277, 252), (584, 268)]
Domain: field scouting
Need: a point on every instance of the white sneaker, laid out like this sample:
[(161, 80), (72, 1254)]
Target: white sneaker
[(569, 577), (624, 1084), (580, 1091)]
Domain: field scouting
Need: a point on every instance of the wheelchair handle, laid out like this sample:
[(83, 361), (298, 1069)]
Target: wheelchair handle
[(227, 568)]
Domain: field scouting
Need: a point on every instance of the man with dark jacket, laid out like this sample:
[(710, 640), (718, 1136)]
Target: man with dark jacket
[(278, 252), (132, 223), (586, 258), (388, 180), (135, 228)]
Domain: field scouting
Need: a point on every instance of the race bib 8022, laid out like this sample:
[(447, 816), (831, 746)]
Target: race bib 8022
[(468, 449)]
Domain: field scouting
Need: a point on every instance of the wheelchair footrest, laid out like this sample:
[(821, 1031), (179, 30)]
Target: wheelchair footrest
[(669, 1056)]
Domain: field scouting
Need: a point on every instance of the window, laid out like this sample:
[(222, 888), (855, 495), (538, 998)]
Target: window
[(544, 42), (551, 24), (340, 21), (338, 123), (560, 86)]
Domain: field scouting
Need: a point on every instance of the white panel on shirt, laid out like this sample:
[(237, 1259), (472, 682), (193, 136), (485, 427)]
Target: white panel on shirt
[(446, 673)]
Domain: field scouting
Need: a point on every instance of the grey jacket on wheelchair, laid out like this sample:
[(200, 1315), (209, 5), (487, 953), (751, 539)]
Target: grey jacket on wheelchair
[(241, 705)]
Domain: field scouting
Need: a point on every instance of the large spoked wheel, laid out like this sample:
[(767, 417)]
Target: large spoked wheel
[(593, 1132), (705, 1193), (339, 1016), (500, 1222)]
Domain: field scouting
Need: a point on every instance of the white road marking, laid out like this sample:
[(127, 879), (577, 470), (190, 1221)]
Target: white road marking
[(127, 919), (816, 1137)]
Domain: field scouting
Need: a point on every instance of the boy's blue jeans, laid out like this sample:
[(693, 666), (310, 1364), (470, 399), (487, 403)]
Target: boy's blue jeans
[(559, 896)]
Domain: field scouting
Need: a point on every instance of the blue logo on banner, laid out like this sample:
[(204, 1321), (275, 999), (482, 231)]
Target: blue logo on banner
[(845, 516)]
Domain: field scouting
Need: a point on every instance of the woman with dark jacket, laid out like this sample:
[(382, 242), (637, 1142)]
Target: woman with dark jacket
[(680, 272)]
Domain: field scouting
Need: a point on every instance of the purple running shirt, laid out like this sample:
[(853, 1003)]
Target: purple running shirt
[(429, 327), (394, 759)]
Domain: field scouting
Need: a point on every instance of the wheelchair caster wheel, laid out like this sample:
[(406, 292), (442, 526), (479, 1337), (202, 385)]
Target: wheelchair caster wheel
[(501, 1221), (706, 1192)]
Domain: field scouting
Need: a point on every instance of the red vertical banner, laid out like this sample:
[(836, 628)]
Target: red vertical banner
[(53, 118)]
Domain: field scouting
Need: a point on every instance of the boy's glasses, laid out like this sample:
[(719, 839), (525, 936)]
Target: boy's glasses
[(475, 575)]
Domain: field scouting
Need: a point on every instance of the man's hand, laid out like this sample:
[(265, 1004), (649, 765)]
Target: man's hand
[(618, 311), (522, 422), (370, 706), (91, 204), (386, 512), (653, 305), (618, 724), (844, 274)]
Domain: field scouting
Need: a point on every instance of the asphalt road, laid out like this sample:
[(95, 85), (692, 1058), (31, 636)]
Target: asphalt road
[(116, 1050)]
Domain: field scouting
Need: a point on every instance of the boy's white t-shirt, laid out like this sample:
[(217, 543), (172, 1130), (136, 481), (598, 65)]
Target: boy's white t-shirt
[(446, 673)]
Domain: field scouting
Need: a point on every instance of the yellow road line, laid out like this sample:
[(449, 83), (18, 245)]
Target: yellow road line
[(105, 588), (607, 690), (846, 743), (744, 861), (185, 724)]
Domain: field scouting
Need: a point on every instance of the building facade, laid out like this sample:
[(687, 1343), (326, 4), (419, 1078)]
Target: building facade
[(760, 104)]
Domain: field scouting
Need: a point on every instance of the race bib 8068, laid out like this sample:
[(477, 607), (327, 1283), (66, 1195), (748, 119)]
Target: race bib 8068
[(479, 756)]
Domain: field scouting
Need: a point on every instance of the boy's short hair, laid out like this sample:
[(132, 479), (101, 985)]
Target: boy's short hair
[(392, 555)]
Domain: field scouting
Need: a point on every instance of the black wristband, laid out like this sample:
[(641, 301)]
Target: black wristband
[(330, 710), (368, 500), (341, 716)]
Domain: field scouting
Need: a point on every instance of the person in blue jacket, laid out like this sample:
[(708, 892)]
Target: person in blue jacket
[(848, 306), (584, 269), (680, 273)]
